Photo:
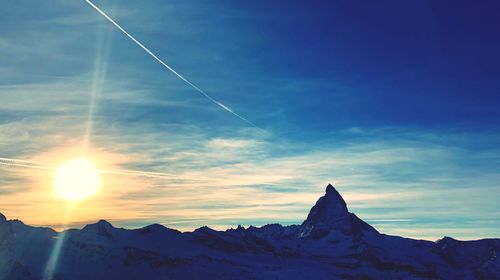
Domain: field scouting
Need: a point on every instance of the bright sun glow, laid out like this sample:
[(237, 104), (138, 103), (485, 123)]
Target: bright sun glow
[(77, 180)]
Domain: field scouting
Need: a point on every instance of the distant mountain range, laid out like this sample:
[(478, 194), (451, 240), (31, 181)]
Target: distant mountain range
[(331, 243)]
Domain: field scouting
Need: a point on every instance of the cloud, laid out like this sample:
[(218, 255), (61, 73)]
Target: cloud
[(398, 182)]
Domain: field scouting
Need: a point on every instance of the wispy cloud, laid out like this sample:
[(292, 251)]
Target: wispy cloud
[(398, 180)]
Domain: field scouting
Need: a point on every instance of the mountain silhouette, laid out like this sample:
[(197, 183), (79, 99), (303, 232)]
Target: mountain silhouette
[(331, 243), (330, 214)]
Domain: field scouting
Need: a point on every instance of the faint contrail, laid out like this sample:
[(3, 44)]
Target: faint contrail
[(23, 163), (127, 172), (168, 67)]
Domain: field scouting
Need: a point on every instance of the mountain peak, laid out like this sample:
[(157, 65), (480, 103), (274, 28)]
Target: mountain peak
[(334, 196), (329, 206), (102, 227), (330, 213), (104, 223)]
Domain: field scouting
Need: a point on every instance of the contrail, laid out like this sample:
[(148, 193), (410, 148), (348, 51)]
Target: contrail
[(127, 172), (170, 68), (24, 163)]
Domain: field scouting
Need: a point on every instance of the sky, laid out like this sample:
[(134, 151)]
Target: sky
[(394, 102)]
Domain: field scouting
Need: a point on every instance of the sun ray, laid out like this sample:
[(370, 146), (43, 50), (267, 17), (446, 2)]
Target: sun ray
[(53, 260), (99, 75)]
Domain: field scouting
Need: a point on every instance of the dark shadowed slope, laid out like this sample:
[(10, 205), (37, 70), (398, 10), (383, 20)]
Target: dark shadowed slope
[(331, 243)]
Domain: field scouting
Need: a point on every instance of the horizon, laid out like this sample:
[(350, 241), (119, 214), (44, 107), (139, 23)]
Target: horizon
[(398, 111), (81, 225), (67, 226)]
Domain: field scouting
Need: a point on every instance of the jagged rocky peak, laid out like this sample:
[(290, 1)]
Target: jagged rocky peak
[(333, 196), (2, 218), (330, 206), (329, 214)]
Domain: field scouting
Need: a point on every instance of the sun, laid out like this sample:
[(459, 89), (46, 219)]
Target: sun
[(76, 180)]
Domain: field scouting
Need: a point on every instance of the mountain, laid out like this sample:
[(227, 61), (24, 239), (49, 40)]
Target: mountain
[(331, 243)]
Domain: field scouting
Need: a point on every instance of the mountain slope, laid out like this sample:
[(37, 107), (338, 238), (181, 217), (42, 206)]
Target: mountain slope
[(331, 243)]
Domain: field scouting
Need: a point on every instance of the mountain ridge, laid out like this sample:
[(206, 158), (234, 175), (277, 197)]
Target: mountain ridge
[(331, 243)]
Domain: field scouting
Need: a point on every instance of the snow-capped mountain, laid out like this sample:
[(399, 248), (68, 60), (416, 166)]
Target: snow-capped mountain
[(331, 243)]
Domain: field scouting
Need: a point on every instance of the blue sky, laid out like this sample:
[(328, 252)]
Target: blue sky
[(394, 102)]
